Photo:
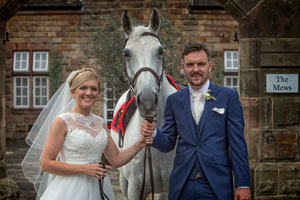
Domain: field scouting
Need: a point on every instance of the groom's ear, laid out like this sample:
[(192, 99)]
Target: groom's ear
[(210, 65)]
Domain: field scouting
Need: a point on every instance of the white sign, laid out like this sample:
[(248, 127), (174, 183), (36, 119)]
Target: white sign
[(282, 83)]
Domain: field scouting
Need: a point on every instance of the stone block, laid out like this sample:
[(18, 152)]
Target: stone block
[(265, 113), (277, 198), (253, 145), (279, 145), (272, 20), (289, 179), (249, 83), (21, 127), (286, 113), (252, 178), (266, 179), (249, 53), (8, 189), (279, 59), (3, 172), (246, 6), (251, 113), (280, 45)]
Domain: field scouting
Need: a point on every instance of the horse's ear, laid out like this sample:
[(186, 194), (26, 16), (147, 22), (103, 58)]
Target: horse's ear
[(154, 22), (126, 23)]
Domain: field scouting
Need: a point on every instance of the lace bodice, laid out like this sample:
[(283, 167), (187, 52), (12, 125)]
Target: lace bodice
[(86, 138)]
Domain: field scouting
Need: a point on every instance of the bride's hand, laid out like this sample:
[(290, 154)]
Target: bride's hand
[(143, 141), (96, 170)]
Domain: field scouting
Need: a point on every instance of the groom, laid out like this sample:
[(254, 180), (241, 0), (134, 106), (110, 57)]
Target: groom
[(209, 133)]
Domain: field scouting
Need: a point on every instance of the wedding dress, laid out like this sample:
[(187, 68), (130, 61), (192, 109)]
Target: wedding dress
[(84, 143)]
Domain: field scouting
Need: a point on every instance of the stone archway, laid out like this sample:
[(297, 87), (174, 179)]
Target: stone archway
[(8, 8), (269, 44)]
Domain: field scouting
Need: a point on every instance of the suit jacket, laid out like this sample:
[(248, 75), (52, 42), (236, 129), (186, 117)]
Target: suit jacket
[(217, 142)]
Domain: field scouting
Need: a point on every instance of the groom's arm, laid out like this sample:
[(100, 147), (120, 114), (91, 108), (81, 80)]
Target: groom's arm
[(237, 145)]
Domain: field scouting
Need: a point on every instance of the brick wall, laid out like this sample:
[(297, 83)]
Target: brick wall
[(71, 32)]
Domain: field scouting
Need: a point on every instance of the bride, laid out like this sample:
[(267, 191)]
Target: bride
[(70, 154)]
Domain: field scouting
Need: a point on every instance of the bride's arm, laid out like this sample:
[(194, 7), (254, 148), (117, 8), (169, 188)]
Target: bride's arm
[(118, 158), (51, 149)]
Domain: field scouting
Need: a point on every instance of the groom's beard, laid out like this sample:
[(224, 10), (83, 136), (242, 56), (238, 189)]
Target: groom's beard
[(198, 84)]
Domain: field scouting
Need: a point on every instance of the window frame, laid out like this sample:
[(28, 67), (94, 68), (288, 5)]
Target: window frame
[(231, 78), (27, 62), (34, 69), (34, 91), (106, 99), (15, 93), (232, 68)]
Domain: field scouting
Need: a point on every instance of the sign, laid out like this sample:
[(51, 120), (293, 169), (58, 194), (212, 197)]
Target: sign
[(282, 83)]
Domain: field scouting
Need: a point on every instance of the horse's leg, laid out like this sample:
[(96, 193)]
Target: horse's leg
[(163, 196), (134, 191), (123, 184)]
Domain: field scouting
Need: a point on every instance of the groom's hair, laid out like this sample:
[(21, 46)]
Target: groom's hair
[(195, 46)]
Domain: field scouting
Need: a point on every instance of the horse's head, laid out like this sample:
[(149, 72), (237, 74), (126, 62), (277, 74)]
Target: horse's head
[(143, 54)]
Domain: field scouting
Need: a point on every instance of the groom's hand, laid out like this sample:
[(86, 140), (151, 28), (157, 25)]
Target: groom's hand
[(242, 194), (147, 128)]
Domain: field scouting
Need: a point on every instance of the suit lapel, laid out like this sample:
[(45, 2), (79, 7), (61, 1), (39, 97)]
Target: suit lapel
[(207, 109), (188, 113)]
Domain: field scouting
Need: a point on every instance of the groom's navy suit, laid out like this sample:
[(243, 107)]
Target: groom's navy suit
[(217, 143)]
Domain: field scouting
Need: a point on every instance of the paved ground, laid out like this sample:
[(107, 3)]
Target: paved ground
[(15, 152)]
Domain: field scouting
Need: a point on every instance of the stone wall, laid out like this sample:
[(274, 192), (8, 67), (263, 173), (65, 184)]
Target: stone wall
[(270, 44), (70, 32)]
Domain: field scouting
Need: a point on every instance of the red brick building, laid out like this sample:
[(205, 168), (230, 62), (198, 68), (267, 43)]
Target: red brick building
[(41, 28)]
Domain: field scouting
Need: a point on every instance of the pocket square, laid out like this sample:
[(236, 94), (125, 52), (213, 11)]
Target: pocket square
[(219, 110)]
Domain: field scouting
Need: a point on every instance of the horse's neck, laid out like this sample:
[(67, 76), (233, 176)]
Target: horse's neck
[(166, 90)]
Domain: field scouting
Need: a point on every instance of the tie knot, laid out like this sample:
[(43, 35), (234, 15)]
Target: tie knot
[(197, 95)]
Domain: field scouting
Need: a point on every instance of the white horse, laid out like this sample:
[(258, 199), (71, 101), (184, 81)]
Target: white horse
[(143, 54)]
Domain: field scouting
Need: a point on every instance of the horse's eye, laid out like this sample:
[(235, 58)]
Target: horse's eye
[(126, 54), (160, 51)]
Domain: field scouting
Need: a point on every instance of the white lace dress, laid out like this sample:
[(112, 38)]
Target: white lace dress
[(84, 143)]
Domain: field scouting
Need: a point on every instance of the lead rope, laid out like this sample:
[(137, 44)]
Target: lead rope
[(149, 156), (101, 183)]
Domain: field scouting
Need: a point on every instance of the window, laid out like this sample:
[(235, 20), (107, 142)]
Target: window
[(40, 62), (231, 82), (231, 61), (21, 91), (21, 61), (31, 81), (40, 91), (110, 101)]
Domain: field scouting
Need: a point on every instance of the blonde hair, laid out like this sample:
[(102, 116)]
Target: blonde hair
[(81, 76)]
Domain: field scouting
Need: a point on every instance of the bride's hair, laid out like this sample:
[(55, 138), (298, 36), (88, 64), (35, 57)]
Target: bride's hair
[(81, 76)]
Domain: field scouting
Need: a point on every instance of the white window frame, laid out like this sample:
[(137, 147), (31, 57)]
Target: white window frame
[(231, 68), (34, 68), (40, 96), (231, 80), (15, 92), (25, 60), (106, 99)]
